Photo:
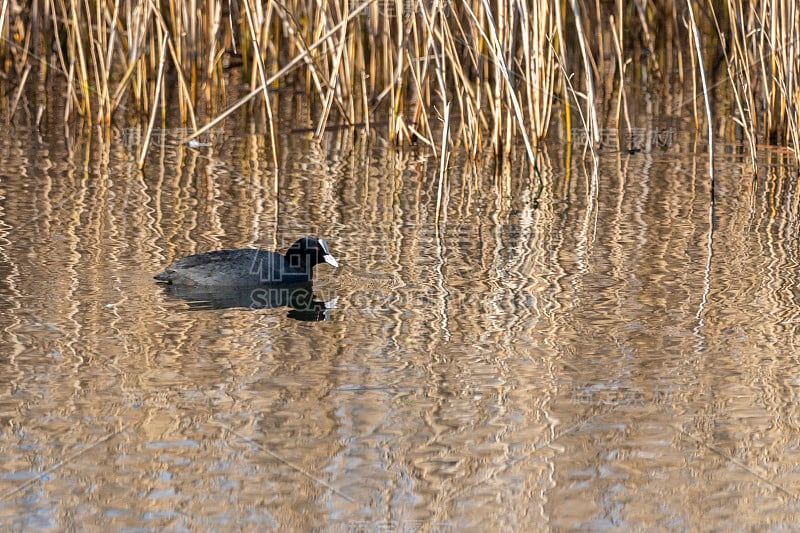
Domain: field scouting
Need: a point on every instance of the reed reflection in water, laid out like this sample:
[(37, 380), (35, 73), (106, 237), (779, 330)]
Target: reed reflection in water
[(583, 363)]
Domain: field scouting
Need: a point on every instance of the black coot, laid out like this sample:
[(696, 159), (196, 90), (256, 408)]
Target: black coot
[(250, 267)]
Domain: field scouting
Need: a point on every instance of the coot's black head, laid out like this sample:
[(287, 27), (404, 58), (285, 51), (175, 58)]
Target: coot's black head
[(309, 251)]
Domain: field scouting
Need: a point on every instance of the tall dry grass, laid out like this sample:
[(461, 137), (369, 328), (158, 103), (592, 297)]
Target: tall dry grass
[(492, 73)]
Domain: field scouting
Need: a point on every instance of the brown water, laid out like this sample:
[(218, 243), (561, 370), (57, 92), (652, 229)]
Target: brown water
[(601, 361)]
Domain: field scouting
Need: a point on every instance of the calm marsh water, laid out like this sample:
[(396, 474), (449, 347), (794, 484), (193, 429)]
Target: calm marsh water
[(599, 361)]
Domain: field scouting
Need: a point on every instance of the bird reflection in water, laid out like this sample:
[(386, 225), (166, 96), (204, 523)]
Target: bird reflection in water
[(298, 297)]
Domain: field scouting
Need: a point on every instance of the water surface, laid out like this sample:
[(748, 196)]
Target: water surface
[(610, 355)]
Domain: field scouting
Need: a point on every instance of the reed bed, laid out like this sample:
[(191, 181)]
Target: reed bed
[(491, 73)]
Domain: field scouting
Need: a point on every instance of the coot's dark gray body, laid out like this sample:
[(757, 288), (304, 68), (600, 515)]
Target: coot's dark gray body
[(249, 267)]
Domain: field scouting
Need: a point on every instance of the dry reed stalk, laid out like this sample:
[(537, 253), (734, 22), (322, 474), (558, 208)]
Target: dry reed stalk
[(764, 78), (391, 88), (427, 129), (791, 128), (212, 48), (105, 96), (506, 23), (416, 97), (599, 36), (589, 142), (260, 63), (640, 9), (622, 98), (266, 21), (701, 66), (693, 62), (92, 54), (176, 23), (398, 74), (18, 93), (159, 79), (347, 86), (593, 130), (443, 162), (495, 103), (141, 19), (163, 36), (56, 36), (23, 60), (123, 85), (539, 66), (333, 78), (3, 12), (365, 101), (788, 72), (677, 41), (527, 55), (547, 90), (193, 42), (70, 92), (769, 79), (461, 88), (430, 51), (74, 41), (561, 56), (441, 64), (469, 93)]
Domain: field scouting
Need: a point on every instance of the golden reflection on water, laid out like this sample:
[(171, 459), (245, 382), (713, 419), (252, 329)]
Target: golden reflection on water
[(583, 363)]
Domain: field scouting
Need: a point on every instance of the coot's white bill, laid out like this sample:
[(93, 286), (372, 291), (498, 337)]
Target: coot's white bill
[(328, 257), (330, 260)]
